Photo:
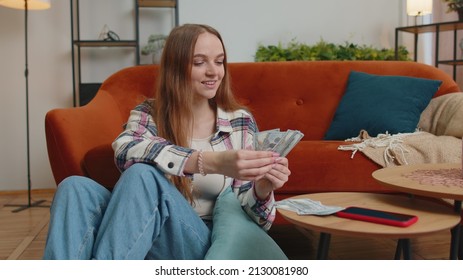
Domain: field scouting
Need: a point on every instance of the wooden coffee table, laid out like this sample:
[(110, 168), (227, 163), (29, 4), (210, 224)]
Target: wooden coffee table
[(441, 180), (432, 217), (423, 179)]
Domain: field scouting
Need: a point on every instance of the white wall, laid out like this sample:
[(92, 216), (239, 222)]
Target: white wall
[(243, 23), (446, 42), (49, 87)]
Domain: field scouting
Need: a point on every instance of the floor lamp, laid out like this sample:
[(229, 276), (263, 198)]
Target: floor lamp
[(419, 8), (27, 5)]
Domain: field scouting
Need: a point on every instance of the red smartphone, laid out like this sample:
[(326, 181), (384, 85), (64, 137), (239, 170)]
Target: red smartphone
[(378, 216)]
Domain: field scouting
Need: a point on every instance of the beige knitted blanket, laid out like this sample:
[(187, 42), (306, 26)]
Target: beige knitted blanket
[(444, 115), (407, 148), (438, 140)]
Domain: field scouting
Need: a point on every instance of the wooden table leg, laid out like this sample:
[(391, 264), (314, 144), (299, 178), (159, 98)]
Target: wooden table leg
[(398, 250), (460, 250), (323, 246), (403, 249), (455, 249), (407, 249), (456, 246)]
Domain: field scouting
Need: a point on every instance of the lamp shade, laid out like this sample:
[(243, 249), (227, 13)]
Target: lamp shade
[(419, 7), (31, 4)]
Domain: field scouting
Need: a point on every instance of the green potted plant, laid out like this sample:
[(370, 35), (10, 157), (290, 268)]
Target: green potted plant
[(326, 51), (455, 6), (154, 47)]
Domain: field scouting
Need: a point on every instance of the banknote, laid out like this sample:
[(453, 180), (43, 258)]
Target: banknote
[(281, 142), (306, 206)]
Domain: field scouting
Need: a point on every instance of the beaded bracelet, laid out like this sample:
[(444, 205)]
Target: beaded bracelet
[(200, 163)]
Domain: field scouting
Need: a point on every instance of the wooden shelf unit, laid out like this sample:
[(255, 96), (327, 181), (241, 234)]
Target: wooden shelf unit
[(157, 3), (436, 28), (83, 92)]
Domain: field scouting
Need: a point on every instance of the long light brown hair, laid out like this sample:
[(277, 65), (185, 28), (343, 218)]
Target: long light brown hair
[(172, 110)]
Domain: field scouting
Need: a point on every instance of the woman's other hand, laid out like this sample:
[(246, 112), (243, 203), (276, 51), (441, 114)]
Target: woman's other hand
[(247, 165), (274, 179)]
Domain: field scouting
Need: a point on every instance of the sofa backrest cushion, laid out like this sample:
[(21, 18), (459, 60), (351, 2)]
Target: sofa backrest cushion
[(304, 95), (130, 86), (301, 95)]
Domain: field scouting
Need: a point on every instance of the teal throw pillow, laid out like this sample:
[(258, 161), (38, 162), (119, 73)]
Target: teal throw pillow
[(236, 237), (380, 104)]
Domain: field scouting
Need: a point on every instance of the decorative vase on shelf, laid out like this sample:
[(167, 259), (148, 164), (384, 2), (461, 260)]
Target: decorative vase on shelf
[(154, 47)]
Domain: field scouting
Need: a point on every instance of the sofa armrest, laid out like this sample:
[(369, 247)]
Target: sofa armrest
[(72, 132)]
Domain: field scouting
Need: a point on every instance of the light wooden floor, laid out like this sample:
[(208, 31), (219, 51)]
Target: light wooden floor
[(23, 235)]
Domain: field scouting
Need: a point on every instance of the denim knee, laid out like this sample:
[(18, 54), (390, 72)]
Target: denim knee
[(80, 187), (79, 184), (139, 168), (141, 174), (74, 181)]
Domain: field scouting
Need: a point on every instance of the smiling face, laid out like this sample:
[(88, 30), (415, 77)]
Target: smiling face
[(208, 66)]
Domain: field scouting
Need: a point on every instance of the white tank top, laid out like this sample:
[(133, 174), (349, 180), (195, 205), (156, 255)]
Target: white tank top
[(206, 188)]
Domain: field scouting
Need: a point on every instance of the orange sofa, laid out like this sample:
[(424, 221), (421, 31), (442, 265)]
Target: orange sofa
[(285, 95)]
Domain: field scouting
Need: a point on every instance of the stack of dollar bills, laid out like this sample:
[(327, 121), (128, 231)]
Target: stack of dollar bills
[(306, 206), (281, 142)]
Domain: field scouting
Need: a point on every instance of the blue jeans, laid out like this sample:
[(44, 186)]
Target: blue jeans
[(145, 217)]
